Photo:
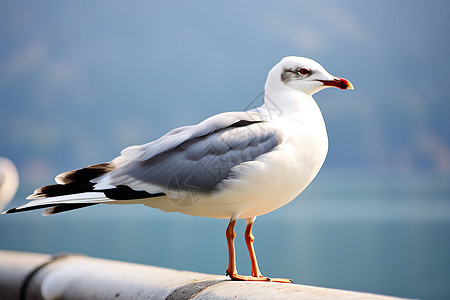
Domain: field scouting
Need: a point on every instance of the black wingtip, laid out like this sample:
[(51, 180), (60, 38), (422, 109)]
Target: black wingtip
[(65, 207), (51, 209), (55, 190), (85, 174), (73, 182), (9, 211)]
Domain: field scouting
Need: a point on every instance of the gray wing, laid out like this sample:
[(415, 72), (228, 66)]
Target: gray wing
[(203, 157), (182, 134)]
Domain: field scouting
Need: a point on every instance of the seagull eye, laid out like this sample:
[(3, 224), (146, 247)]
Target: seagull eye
[(303, 71)]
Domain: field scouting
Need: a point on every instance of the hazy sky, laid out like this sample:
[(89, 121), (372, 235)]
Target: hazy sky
[(80, 81)]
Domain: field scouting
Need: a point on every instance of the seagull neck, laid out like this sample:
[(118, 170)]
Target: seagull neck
[(285, 102)]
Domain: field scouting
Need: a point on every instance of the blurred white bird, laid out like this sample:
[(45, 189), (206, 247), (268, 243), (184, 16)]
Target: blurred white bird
[(235, 165), (9, 181)]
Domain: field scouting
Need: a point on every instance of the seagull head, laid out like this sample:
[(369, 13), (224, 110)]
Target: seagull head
[(305, 75)]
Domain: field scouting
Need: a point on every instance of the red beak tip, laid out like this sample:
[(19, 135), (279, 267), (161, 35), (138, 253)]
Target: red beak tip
[(340, 83)]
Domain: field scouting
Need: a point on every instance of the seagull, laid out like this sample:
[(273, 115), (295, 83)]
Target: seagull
[(9, 181), (234, 165)]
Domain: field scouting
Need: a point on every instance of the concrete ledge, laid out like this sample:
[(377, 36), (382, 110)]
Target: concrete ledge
[(37, 276)]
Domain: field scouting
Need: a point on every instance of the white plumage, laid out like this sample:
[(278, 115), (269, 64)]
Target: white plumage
[(9, 181)]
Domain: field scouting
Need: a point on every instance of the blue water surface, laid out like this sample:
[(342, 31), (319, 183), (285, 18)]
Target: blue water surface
[(379, 233)]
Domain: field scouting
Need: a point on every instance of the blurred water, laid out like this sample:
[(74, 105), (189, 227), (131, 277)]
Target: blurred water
[(380, 233)]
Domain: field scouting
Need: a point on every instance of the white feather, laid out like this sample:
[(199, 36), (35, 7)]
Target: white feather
[(90, 197)]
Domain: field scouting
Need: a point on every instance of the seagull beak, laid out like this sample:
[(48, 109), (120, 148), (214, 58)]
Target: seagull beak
[(341, 83)]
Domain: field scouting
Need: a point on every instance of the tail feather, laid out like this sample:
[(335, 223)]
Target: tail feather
[(73, 182), (84, 175), (51, 208), (69, 201), (74, 190), (56, 190), (65, 207)]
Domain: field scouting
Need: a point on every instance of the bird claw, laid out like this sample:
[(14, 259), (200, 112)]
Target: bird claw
[(237, 277)]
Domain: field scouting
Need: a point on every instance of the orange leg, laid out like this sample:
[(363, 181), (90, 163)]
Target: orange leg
[(249, 238), (232, 270)]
